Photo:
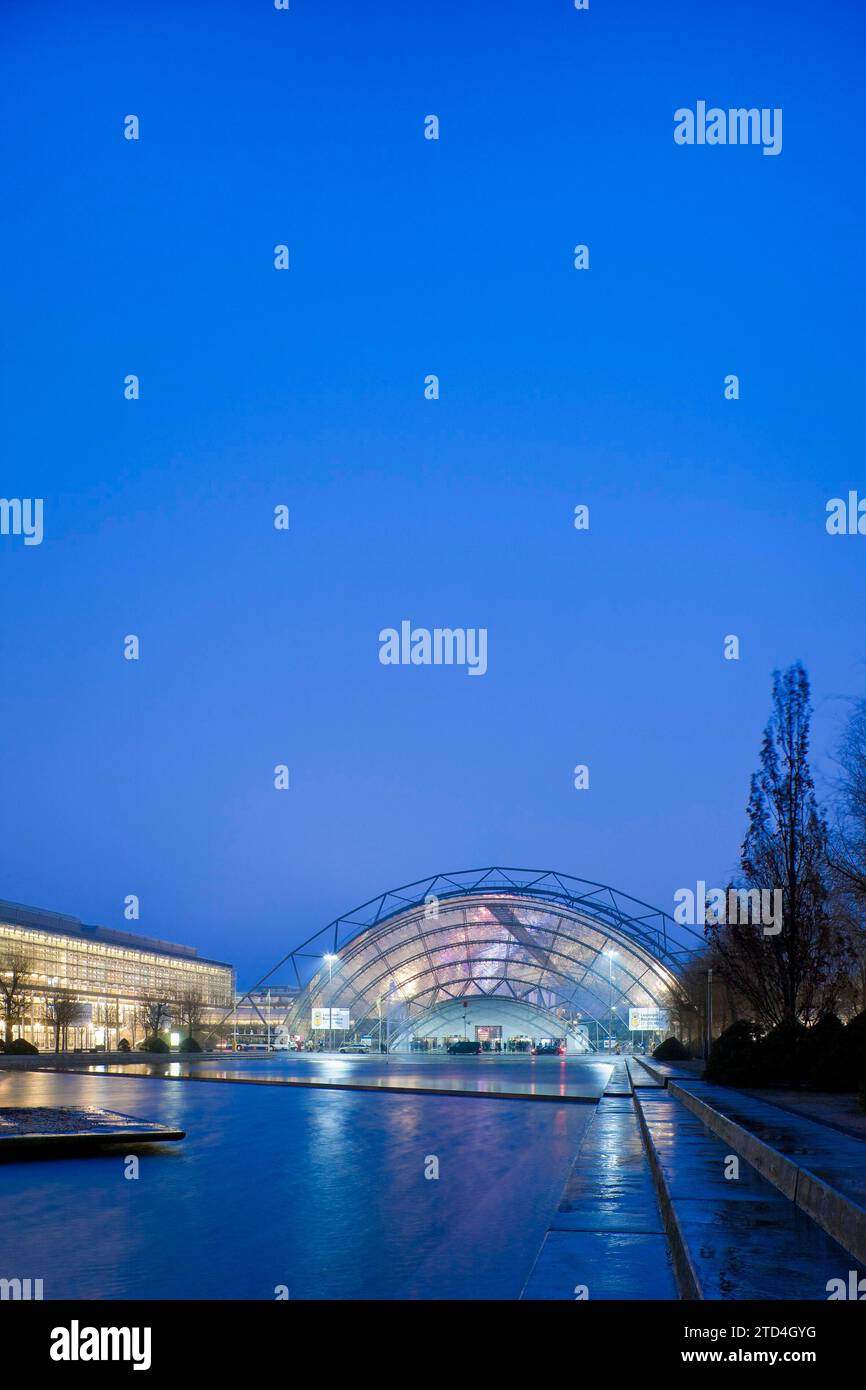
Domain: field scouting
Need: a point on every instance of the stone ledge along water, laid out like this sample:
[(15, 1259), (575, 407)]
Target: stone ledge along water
[(817, 1168), (74, 1128), (731, 1238)]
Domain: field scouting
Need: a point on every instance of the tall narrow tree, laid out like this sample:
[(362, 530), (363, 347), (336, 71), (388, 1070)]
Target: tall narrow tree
[(792, 974)]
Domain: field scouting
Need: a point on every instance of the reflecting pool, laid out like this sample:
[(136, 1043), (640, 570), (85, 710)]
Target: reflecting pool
[(322, 1191)]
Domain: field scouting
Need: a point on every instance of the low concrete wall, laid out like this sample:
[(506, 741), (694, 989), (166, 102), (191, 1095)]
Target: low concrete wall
[(838, 1215), (766, 1160), (664, 1072), (653, 1077), (686, 1275)]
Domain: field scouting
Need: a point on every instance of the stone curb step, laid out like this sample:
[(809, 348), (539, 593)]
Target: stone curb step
[(643, 1075), (793, 1163), (662, 1073), (730, 1237), (607, 1236)]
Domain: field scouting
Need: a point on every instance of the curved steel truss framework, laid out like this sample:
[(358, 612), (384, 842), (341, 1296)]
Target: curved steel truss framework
[(573, 949)]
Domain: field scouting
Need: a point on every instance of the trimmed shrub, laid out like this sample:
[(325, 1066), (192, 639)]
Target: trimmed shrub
[(843, 1067), (820, 1042), (20, 1047), (672, 1050), (855, 1042), (780, 1056), (189, 1045), (154, 1044), (829, 1056), (733, 1059)]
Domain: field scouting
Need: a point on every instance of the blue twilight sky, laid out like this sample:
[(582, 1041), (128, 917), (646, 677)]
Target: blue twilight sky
[(305, 387)]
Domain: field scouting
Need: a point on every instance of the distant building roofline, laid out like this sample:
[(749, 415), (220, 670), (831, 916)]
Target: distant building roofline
[(63, 924)]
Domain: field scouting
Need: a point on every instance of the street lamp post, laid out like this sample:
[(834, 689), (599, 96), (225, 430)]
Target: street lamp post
[(330, 959), (391, 988), (610, 956), (709, 1012)]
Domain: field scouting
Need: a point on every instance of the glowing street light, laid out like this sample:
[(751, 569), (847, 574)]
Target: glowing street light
[(330, 958), (610, 957)]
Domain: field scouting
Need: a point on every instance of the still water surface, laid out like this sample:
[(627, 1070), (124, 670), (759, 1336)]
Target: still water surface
[(320, 1190), (576, 1077)]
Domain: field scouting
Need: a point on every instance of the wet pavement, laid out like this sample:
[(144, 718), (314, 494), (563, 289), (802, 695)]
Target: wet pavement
[(841, 1112), (733, 1237), (606, 1239), (839, 1160)]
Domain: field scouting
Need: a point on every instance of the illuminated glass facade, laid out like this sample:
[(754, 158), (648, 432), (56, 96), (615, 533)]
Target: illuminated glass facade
[(110, 973), (569, 951)]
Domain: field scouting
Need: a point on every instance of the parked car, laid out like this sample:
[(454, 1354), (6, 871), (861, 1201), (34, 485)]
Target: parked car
[(465, 1046), (549, 1049), (360, 1048)]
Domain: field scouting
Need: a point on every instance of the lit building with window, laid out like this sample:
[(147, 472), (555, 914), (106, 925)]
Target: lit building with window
[(106, 976), (259, 1016)]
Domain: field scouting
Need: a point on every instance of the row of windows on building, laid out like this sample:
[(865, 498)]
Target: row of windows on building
[(109, 982)]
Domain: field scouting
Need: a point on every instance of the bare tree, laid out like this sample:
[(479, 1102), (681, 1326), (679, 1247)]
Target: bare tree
[(191, 1008), (107, 1016), (848, 910), (848, 845), (686, 1002), (63, 1010), (154, 1014), (16, 971), (848, 853)]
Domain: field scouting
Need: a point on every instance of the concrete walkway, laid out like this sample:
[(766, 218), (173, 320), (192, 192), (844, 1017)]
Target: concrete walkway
[(732, 1237), (606, 1239), (841, 1112), (666, 1198), (619, 1081), (819, 1169)]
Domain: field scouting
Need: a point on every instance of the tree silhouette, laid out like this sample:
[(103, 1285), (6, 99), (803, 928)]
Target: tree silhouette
[(792, 975)]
